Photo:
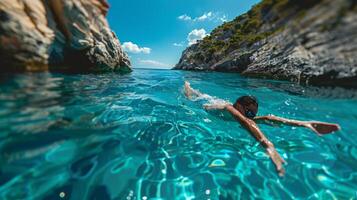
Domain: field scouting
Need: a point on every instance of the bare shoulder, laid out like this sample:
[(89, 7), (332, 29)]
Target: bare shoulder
[(232, 110), (239, 116)]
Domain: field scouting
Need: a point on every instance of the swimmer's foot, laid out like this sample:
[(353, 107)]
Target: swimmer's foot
[(188, 90)]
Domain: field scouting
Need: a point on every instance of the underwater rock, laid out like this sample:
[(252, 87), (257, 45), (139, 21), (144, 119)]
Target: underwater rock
[(310, 42), (71, 35)]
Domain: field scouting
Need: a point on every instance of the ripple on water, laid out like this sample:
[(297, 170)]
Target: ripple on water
[(137, 137)]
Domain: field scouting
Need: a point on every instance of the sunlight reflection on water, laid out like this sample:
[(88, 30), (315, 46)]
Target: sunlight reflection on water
[(136, 136)]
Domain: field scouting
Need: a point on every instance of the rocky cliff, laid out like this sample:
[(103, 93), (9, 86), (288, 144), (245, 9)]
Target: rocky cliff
[(74, 35), (307, 41)]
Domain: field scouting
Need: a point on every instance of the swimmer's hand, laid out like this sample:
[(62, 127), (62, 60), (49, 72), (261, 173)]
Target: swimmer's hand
[(322, 127), (275, 156), (277, 160)]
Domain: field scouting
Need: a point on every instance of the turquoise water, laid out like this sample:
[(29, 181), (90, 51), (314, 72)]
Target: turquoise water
[(136, 136)]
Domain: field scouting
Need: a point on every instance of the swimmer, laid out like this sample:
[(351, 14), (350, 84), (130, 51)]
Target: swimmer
[(245, 109)]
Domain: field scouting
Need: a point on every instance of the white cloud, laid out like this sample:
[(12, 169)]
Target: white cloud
[(178, 44), (204, 17), (184, 17), (207, 16), (223, 18), (134, 48), (154, 63), (196, 34)]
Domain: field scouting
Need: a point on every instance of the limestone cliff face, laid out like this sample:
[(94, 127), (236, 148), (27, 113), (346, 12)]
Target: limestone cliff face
[(74, 35), (307, 41)]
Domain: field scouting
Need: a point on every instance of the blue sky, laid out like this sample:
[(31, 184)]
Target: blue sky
[(155, 32)]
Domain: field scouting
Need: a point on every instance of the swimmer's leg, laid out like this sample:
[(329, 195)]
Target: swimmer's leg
[(189, 91), (212, 102)]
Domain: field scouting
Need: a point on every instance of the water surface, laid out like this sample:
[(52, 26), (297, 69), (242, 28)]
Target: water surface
[(136, 136)]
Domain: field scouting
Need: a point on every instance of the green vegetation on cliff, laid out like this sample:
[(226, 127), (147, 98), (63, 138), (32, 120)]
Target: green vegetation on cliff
[(304, 41), (263, 20)]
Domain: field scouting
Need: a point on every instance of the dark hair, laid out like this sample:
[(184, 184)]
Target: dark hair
[(246, 101)]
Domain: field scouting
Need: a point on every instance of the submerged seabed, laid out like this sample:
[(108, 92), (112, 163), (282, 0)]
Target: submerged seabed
[(135, 136)]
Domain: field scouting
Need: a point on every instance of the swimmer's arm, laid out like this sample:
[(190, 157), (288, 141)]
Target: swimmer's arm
[(317, 127), (252, 127), (280, 120)]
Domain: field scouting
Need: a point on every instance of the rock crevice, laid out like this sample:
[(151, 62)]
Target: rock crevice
[(68, 35)]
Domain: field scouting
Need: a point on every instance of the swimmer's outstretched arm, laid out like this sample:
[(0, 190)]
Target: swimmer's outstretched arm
[(253, 128), (317, 127)]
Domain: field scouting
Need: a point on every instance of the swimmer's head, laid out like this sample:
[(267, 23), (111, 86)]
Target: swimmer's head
[(247, 105)]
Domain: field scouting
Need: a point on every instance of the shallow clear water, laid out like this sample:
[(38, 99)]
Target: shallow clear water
[(136, 136)]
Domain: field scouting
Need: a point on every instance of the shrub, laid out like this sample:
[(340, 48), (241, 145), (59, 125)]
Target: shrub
[(246, 28)]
